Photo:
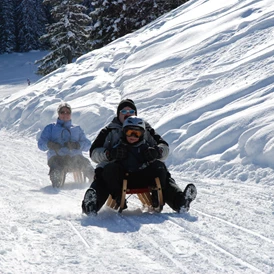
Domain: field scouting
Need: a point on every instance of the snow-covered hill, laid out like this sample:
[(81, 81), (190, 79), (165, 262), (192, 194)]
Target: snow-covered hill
[(202, 75)]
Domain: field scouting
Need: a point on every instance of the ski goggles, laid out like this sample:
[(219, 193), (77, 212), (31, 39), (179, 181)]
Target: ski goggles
[(125, 111), (134, 133)]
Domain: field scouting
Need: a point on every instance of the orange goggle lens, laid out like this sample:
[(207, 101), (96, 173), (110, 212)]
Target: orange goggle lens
[(134, 133)]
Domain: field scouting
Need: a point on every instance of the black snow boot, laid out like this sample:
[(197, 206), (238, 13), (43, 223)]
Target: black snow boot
[(56, 177), (183, 199), (190, 194), (89, 204)]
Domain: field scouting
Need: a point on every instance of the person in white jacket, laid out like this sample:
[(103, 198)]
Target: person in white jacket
[(64, 143)]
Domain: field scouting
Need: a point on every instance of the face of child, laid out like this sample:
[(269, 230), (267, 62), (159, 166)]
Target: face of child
[(133, 135), (132, 139)]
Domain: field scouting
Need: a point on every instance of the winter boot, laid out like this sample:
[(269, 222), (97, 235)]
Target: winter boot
[(89, 204), (55, 176), (190, 194)]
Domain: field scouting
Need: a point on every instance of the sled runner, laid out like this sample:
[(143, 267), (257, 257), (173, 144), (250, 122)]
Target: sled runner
[(150, 197)]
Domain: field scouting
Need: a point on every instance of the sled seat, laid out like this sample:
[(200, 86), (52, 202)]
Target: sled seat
[(144, 195)]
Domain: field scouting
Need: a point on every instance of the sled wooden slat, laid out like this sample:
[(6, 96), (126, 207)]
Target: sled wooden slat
[(63, 178), (78, 176), (159, 192), (110, 202), (145, 198), (144, 195)]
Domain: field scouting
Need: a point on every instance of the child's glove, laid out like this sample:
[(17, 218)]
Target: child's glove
[(118, 153)]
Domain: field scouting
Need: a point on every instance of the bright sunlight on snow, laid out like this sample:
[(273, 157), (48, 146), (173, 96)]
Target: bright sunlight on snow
[(203, 77)]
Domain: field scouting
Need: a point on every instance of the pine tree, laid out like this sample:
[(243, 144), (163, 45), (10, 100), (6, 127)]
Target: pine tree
[(31, 20), (7, 26), (112, 19), (147, 11), (68, 35)]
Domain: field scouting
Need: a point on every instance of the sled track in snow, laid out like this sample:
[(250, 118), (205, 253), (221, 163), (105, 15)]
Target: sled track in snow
[(154, 242), (236, 226), (90, 248), (216, 246), (78, 234), (201, 238)]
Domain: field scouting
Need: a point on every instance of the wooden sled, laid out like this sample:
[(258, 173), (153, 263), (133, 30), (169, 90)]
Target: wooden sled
[(144, 195), (78, 176)]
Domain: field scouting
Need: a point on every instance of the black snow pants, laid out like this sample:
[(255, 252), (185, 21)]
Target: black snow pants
[(71, 163), (114, 174)]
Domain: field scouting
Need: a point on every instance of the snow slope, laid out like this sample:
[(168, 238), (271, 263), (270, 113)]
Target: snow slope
[(202, 75), (16, 69), (229, 228)]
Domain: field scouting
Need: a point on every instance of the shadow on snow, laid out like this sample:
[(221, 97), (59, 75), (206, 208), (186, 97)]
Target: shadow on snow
[(130, 220)]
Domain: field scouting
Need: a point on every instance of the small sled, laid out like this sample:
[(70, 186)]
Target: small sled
[(78, 176), (144, 195)]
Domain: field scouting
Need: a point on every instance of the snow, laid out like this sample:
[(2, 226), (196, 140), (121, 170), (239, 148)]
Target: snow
[(202, 75)]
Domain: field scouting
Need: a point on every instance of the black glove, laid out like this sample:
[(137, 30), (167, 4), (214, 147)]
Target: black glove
[(151, 154), (72, 145), (53, 145), (160, 151), (118, 153)]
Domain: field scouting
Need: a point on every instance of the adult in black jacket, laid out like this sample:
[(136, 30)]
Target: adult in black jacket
[(103, 151)]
